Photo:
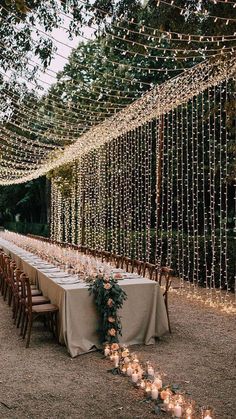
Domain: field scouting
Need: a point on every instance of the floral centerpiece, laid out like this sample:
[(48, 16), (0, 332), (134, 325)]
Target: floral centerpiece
[(108, 297)]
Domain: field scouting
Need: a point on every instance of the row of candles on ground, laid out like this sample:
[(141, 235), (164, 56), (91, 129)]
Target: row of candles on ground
[(151, 383)]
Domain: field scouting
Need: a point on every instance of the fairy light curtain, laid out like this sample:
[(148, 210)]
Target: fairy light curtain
[(161, 192)]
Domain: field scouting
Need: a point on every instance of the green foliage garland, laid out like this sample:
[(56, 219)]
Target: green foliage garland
[(108, 297)]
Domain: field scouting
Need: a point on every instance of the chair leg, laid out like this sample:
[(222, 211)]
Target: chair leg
[(9, 296), (13, 306), (24, 317), (29, 332), (19, 318), (5, 291), (25, 327), (56, 326), (167, 312)]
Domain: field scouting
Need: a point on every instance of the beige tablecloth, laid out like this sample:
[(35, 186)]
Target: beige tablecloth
[(143, 314)]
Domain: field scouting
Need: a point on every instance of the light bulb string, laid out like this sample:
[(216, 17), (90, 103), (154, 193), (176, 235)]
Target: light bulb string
[(197, 12), (143, 26)]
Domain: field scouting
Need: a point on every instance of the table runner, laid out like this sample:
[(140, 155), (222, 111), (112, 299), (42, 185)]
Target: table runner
[(143, 314)]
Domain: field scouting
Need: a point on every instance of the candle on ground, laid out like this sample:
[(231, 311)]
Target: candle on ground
[(134, 377), (177, 411), (106, 351), (154, 393), (116, 360), (129, 370)]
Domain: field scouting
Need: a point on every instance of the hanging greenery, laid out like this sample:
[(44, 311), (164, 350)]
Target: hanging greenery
[(108, 297)]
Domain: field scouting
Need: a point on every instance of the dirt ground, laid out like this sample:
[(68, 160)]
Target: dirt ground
[(44, 382)]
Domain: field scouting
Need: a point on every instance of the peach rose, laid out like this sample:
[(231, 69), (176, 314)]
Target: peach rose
[(165, 393), (111, 319), (114, 346), (110, 302), (112, 332), (107, 286)]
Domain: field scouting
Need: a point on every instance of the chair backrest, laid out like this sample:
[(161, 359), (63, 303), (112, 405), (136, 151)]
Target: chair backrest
[(26, 292), (138, 267), (149, 271), (127, 264), (12, 269), (6, 264), (165, 273), (116, 260), (106, 256), (18, 273)]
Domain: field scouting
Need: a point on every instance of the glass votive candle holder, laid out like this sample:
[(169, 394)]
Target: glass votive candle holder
[(207, 412)]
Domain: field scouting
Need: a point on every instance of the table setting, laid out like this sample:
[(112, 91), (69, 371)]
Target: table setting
[(64, 276)]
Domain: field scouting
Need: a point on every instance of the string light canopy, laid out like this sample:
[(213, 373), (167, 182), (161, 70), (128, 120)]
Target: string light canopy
[(202, 13), (109, 201), (151, 105)]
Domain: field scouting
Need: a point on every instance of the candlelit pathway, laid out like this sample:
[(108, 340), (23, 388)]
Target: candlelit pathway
[(43, 382)]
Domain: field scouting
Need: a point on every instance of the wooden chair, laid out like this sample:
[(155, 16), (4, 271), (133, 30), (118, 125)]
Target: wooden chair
[(32, 312), (17, 289), (163, 276), (106, 256), (35, 300), (149, 270), (116, 260), (6, 276), (83, 249), (138, 267), (127, 264), (1, 270)]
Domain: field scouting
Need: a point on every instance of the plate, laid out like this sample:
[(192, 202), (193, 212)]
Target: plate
[(68, 281), (59, 275)]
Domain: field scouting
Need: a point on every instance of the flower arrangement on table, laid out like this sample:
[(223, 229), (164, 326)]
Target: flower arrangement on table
[(109, 298)]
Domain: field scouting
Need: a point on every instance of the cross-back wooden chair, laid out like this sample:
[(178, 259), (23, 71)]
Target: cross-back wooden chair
[(32, 312), (6, 276), (149, 270), (106, 256), (127, 264), (35, 300), (116, 260), (1, 270), (12, 286), (163, 276), (138, 267)]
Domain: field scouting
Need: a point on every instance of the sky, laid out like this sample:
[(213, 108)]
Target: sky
[(58, 62)]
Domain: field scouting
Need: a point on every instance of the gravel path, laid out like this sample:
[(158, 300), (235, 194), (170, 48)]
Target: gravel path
[(44, 382)]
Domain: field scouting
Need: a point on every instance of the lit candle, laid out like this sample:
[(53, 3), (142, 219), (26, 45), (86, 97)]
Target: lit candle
[(154, 393), (134, 377), (116, 360), (158, 383), (166, 400), (148, 389), (129, 370), (124, 370), (207, 414), (188, 413), (142, 384), (177, 410), (107, 351), (140, 373), (150, 371)]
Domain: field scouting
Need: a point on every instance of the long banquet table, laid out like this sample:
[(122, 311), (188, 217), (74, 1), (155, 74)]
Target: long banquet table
[(143, 314)]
